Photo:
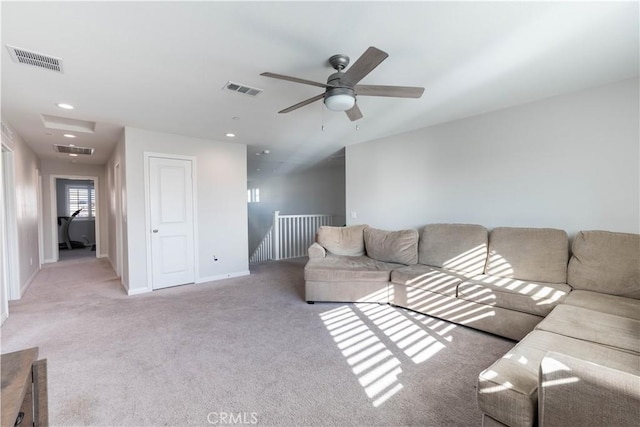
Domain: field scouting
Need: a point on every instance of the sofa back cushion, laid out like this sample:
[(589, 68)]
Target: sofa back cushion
[(392, 246), (536, 254), (459, 247), (345, 241), (606, 262)]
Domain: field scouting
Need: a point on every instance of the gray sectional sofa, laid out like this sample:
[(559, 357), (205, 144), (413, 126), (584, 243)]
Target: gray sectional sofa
[(575, 314)]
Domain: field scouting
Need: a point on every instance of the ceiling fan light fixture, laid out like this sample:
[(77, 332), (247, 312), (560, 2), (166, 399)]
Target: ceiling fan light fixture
[(340, 99)]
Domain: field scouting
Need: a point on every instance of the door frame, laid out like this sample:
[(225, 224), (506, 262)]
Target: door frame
[(40, 219), (55, 251), (11, 266), (118, 218), (147, 208)]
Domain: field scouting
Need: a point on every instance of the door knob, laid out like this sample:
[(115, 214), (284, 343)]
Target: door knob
[(155, 231)]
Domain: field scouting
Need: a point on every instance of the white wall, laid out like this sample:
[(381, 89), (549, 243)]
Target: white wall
[(221, 203), (316, 191), (25, 180), (569, 162), (68, 169), (115, 206)]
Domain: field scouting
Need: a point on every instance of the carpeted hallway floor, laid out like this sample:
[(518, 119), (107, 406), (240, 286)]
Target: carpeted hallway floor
[(241, 351)]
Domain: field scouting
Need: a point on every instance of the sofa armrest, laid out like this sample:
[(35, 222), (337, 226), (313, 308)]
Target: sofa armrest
[(576, 392), (316, 251)]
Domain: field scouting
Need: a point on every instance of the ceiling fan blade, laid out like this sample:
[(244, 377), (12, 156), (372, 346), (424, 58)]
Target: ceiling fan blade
[(392, 91), (354, 113), (294, 79), (369, 60), (302, 104)]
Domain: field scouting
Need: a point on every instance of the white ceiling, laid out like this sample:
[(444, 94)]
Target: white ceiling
[(162, 66)]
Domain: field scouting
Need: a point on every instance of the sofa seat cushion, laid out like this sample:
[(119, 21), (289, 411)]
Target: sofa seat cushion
[(428, 278), (529, 297), (334, 268), (611, 304), (507, 390), (601, 328), (536, 254)]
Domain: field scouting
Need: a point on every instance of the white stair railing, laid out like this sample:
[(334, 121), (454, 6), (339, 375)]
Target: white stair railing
[(289, 237), (293, 234), (264, 250)]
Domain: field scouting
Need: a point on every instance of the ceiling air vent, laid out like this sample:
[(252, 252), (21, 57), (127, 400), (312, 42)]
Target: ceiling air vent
[(73, 150), (29, 57), (237, 87)]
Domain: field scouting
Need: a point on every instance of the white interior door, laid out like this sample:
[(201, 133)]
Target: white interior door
[(171, 214)]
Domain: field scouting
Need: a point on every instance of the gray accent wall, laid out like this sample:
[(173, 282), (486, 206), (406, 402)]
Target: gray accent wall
[(316, 191), (569, 162)]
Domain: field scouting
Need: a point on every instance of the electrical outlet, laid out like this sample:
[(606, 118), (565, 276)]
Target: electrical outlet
[(30, 261), (354, 215)]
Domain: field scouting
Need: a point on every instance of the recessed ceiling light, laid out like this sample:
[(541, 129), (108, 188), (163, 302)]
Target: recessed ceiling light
[(65, 106), (71, 145), (230, 135), (69, 135), (73, 155)]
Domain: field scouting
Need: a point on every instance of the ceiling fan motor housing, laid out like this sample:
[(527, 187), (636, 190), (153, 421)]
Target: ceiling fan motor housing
[(334, 79), (338, 97), (339, 91)]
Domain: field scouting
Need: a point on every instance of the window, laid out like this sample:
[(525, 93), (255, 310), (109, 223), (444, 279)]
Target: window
[(253, 195), (81, 197)]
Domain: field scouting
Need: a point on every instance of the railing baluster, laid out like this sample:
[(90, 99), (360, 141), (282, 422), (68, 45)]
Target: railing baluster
[(299, 237), (289, 236), (294, 240)]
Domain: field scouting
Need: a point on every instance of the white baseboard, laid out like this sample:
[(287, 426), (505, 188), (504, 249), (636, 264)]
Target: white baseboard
[(50, 261), (3, 318), (222, 276), (26, 285), (102, 256), (131, 292), (198, 281)]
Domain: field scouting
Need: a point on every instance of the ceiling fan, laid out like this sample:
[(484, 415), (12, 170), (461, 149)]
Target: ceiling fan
[(342, 88)]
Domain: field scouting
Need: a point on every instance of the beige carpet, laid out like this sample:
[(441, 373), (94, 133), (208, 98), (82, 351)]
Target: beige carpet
[(241, 351)]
